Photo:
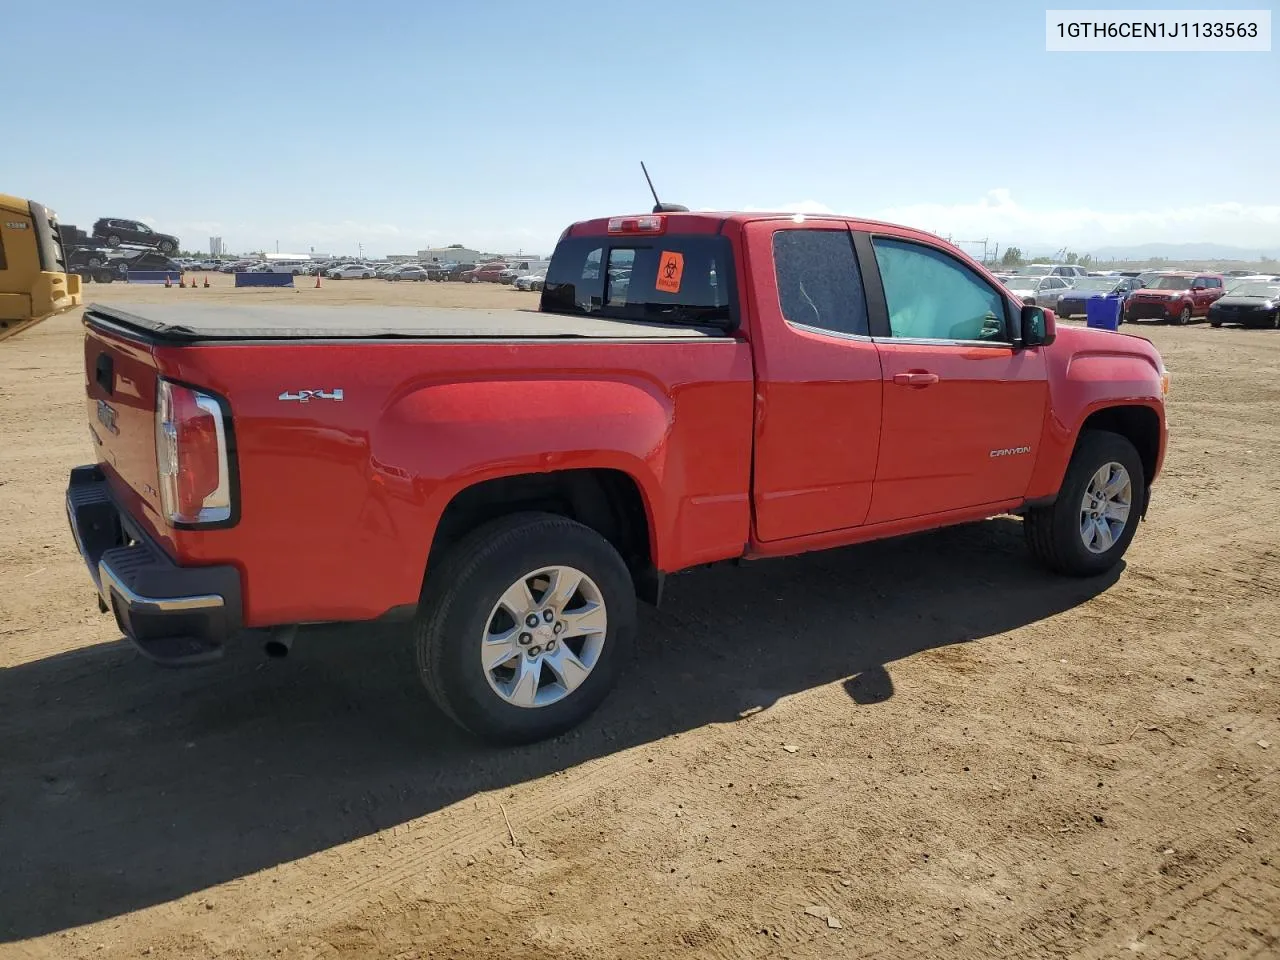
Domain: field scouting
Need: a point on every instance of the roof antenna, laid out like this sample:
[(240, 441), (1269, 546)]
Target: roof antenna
[(658, 205)]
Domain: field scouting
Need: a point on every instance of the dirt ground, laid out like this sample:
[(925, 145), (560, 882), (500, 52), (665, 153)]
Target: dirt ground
[(918, 748)]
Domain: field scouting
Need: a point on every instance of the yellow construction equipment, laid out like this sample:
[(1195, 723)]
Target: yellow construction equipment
[(34, 282)]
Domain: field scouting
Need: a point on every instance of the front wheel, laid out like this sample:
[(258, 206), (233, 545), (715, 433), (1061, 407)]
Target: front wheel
[(1184, 317), (1089, 527), (524, 626)]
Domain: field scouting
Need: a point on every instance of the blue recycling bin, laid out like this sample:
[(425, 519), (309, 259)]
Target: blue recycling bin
[(1103, 313)]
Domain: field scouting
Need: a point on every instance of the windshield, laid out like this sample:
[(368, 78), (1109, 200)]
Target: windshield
[(666, 279), (1169, 283), (1096, 284), (1256, 288)]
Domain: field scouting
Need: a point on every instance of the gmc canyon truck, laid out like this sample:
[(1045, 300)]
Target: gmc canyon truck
[(693, 388)]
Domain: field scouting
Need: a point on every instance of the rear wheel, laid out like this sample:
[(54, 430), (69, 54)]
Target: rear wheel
[(113, 241), (1184, 317), (166, 247), (1091, 524), (524, 626)]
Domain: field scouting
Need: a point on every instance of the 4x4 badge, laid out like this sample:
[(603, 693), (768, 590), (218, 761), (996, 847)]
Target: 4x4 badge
[(302, 396)]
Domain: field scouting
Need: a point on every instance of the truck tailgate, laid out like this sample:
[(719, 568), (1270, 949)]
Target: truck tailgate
[(120, 388)]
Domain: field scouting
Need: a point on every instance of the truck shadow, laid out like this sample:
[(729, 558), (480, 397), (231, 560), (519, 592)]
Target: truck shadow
[(125, 785)]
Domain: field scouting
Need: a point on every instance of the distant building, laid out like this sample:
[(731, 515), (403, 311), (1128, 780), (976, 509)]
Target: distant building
[(215, 247)]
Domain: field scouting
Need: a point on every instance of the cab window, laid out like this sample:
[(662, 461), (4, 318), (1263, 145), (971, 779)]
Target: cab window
[(819, 284), (679, 279), (933, 296)]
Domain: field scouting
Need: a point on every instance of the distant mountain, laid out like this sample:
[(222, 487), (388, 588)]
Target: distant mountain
[(1184, 251)]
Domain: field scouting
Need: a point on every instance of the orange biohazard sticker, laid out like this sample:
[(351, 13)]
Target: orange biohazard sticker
[(670, 270)]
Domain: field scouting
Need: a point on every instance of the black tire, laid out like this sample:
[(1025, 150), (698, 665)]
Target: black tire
[(1053, 532), (460, 595), (1183, 318), (1215, 324), (113, 241), (95, 261)]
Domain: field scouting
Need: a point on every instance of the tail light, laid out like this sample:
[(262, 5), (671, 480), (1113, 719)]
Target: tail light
[(191, 453), (646, 224)]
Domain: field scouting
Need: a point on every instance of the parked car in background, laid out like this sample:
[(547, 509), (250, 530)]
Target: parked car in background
[(1233, 282), (460, 270), (520, 268), (115, 232), (531, 281), (1072, 302), (438, 271), (409, 272), (1051, 270), (293, 267), (1253, 303), (1042, 291), (486, 273), (237, 266), (350, 271), (1175, 297)]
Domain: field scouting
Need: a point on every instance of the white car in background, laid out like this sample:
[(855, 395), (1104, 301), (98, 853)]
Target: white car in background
[(1044, 291), (531, 281), (350, 271), (1051, 270)]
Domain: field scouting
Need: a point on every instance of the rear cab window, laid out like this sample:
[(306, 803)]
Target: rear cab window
[(682, 279), (819, 285)]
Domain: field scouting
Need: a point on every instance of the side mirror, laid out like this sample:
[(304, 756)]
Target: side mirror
[(1038, 326)]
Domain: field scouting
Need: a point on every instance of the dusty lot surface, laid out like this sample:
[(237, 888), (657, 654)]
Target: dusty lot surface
[(990, 762)]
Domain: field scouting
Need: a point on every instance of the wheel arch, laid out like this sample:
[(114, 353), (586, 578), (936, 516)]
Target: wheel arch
[(1137, 423), (609, 501)]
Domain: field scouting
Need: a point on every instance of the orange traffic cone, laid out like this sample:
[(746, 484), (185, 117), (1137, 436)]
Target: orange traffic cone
[(317, 281), (167, 282), (182, 281), (206, 283)]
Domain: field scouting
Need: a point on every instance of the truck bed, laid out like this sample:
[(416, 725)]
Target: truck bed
[(196, 322)]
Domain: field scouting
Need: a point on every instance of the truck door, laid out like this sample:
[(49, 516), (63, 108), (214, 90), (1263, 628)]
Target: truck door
[(963, 410), (817, 380)]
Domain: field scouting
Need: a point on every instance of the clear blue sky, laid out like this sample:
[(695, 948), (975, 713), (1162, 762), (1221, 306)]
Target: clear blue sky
[(396, 124)]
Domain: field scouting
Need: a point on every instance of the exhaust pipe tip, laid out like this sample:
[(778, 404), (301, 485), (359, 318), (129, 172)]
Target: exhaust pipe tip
[(280, 642)]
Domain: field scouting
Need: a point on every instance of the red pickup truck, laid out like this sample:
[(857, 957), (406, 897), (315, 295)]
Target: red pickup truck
[(694, 388)]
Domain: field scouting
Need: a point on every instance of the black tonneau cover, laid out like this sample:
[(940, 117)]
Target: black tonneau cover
[(183, 322)]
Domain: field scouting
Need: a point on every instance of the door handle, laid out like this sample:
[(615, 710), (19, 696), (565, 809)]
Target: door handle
[(916, 379)]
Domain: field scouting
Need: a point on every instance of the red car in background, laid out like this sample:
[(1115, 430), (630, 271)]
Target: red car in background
[(486, 272), (1175, 297)]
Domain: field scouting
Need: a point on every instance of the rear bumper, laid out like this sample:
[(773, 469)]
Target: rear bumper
[(178, 616)]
